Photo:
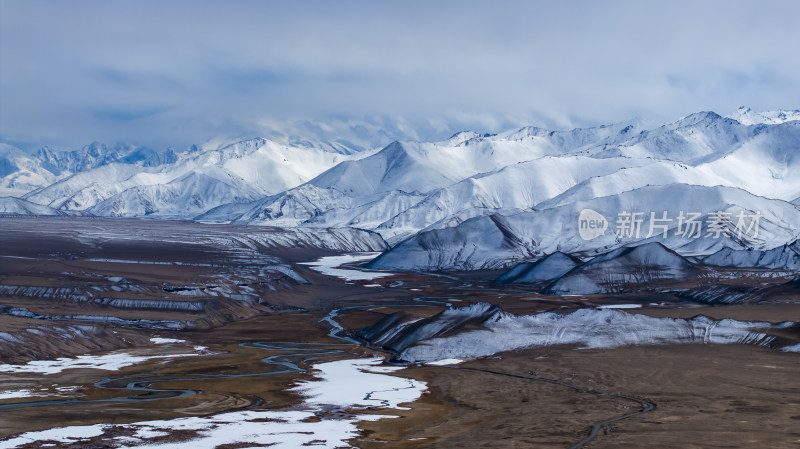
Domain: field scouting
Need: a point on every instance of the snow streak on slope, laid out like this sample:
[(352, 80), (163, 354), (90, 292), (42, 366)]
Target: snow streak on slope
[(396, 331)]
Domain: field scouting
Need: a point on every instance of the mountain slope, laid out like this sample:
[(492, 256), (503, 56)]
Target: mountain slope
[(239, 172), (785, 257), (747, 116), (763, 165), (519, 186), (687, 140), (545, 269), (615, 271), (407, 170), (481, 243), (16, 206), (410, 186), (191, 194), (20, 173)]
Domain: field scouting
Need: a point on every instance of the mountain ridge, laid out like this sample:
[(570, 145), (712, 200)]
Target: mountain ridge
[(408, 190)]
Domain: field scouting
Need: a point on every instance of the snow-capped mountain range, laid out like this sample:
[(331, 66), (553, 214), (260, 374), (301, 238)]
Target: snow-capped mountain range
[(471, 201), (166, 185)]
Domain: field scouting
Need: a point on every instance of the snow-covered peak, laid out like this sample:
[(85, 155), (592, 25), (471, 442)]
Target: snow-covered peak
[(747, 116), (691, 139), (98, 154), (523, 133), (20, 172), (461, 137), (238, 172)]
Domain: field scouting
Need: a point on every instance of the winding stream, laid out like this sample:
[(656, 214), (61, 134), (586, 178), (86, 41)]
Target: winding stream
[(297, 353), (145, 383)]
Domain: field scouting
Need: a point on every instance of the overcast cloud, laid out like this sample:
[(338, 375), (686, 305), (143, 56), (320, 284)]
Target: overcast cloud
[(166, 73)]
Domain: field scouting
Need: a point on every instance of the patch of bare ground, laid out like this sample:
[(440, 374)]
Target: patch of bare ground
[(705, 396)]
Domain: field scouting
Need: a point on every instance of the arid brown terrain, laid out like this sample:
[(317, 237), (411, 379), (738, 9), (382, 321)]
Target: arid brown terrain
[(85, 286)]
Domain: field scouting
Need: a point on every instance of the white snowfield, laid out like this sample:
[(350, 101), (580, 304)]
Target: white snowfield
[(166, 341), (28, 393), (446, 362), (109, 362), (332, 266), (346, 385), (359, 383), (586, 328), (13, 394)]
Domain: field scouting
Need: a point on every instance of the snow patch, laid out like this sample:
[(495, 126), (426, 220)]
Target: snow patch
[(792, 348), (346, 384), (331, 266), (163, 341), (108, 362), (359, 383), (11, 394), (445, 362)]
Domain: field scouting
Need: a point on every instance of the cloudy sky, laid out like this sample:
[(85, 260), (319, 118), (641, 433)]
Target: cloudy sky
[(173, 73)]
